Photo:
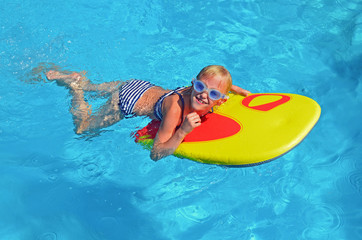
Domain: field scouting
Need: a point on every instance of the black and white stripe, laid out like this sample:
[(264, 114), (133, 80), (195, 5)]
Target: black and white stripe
[(130, 93)]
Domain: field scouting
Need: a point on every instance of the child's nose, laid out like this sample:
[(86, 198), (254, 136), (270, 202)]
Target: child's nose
[(204, 94)]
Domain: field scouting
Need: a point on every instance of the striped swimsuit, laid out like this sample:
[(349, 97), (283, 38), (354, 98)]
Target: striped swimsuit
[(133, 90), (129, 94)]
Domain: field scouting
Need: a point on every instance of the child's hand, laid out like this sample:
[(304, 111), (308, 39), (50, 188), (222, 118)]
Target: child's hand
[(245, 93), (240, 91), (191, 121)]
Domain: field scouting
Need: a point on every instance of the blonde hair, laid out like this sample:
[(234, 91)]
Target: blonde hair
[(213, 70)]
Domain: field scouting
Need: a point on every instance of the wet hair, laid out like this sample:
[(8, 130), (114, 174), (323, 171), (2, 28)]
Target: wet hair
[(213, 70)]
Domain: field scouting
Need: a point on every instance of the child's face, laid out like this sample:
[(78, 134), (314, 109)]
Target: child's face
[(200, 101)]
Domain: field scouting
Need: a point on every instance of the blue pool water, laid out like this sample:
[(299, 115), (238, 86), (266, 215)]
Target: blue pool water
[(57, 185)]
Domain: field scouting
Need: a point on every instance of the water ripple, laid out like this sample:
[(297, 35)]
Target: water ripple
[(52, 177), (204, 174), (195, 213), (48, 236), (287, 186), (351, 5), (91, 171), (321, 220), (36, 160), (355, 179), (328, 161)]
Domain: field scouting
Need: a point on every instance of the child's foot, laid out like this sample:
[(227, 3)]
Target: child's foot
[(72, 80)]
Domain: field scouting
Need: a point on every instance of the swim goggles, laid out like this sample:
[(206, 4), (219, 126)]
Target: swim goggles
[(213, 93)]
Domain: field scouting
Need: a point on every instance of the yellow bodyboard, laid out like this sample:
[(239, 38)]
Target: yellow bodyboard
[(246, 131)]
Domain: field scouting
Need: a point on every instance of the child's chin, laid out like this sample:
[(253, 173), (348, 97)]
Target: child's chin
[(200, 107)]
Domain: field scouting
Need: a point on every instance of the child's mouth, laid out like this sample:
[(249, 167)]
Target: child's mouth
[(199, 100)]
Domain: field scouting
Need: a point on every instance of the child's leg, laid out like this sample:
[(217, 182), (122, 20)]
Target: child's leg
[(86, 85), (80, 110), (83, 118), (107, 87)]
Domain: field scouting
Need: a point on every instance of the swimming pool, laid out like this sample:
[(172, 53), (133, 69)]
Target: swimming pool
[(57, 185)]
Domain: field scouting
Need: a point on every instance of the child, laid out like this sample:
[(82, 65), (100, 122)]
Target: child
[(179, 110)]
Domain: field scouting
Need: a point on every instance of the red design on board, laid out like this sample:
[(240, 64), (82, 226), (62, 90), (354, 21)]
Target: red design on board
[(267, 106), (214, 126)]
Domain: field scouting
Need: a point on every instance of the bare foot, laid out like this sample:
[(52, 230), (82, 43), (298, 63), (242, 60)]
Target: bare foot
[(72, 80)]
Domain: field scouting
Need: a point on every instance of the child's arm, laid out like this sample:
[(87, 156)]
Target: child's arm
[(167, 138), (239, 90)]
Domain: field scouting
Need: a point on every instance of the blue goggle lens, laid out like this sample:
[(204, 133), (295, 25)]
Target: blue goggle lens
[(199, 86), (215, 95)]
